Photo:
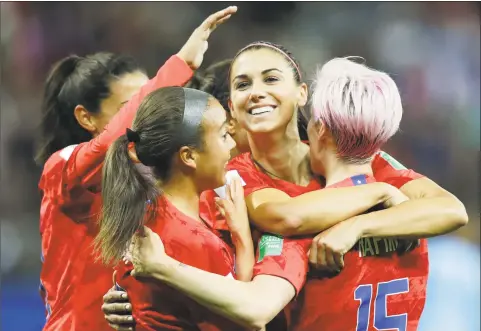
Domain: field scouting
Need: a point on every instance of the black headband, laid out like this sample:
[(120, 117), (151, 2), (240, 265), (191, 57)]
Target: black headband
[(195, 104)]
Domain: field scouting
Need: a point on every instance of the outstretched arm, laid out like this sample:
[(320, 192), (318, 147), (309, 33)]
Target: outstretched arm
[(431, 211), (84, 162), (274, 211), (251, 304)]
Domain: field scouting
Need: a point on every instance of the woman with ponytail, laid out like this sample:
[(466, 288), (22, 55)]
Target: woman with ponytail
[(354, 112), (181, 134), (88, 103)]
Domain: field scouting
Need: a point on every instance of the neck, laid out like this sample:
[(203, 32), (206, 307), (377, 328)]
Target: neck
[(336, 170), (182, 193), (281, 155)]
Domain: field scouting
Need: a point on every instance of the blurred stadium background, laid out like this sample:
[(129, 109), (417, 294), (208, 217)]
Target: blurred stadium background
[(431, 49)]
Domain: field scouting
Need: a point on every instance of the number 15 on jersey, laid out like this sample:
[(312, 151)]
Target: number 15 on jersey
[(382, 321)]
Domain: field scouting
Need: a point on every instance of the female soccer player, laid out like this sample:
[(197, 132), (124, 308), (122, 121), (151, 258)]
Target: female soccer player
[(351, 103), (182, 135), (266, 92), (81, 96)]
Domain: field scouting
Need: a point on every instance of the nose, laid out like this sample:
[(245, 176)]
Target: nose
[(257, 92)]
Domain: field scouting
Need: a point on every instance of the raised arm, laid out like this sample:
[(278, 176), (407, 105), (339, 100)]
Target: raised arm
[(274, 211), (251, 304), (85, 161)]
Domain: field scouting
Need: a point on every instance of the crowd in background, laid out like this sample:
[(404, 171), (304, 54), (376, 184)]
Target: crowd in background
[(432, 50)]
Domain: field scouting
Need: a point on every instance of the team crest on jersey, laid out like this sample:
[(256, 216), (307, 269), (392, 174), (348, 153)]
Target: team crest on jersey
[(270, 245), (392, 161)]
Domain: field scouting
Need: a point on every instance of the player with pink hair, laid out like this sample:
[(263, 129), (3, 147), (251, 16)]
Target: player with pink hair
[(360, 106), (355, 111)]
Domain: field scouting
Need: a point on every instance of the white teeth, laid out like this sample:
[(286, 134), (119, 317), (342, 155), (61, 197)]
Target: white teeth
[(261, 110)]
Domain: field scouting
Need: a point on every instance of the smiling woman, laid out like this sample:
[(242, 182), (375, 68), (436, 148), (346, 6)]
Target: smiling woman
[(272, 106)]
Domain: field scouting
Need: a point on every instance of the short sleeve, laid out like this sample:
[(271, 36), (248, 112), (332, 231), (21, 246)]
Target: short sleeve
[(388, 170), (283, 257)]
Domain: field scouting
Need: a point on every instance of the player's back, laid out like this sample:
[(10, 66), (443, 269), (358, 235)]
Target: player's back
[(71, 282), (156, 306), (377, 289)]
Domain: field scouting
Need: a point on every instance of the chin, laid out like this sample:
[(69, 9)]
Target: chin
[(265, 127)]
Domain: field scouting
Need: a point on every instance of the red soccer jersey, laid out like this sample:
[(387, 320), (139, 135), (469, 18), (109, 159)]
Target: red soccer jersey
[(71, 282), (376, 290), (156, 306), (384, 166)]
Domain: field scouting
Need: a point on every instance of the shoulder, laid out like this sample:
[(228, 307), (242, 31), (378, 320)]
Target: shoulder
[(387, 169), (54, 165)]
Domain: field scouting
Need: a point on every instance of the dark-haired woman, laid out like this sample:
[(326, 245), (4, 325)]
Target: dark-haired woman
[(82, 95), (284, 197), (182, 135)]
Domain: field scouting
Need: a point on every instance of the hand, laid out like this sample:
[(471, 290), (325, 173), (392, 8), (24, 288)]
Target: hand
[(396, 197), (194, 49), (233, 208), (328, 247), (146, 252), (117, 309)]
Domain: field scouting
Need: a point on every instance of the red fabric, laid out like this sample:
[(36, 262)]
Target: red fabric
[(157, 306), (330, 303), (72, 283), (292, 264)]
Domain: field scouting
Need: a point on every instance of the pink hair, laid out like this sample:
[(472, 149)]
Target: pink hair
[(360, 106)]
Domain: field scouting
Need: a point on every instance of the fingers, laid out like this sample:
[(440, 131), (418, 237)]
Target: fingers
[(117, 308), (330, 263), (313, 252), (121, 327), (217, 18), (339, 260), (115, 297), (220, 206), (120, 322)]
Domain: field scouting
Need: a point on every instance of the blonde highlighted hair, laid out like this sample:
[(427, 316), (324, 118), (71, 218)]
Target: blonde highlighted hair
[(360, 106)]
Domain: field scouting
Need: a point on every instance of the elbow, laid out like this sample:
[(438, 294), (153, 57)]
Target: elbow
[(256, 311), (258, 318), (460, 215), (456, 213), (282, 222)]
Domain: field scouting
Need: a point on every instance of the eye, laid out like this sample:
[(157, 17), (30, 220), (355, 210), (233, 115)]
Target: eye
[(240, 85), (271, 79), (224, 136)]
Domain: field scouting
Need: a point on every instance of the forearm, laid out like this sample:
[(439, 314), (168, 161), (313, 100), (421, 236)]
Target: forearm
[(420, 218), (238, 301), (244, 255), (316, 211)]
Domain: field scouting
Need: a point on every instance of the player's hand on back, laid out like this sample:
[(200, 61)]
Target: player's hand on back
[(233, 208), (146, 252), (328, 247), (194, 49), (118, 310)]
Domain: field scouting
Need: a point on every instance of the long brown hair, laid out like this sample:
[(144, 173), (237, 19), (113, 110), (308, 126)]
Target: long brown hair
[(129, 198)]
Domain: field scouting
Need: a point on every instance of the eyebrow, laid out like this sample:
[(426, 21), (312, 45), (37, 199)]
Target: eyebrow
[(263, 72)]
